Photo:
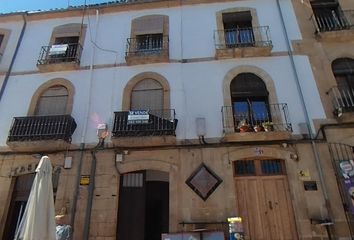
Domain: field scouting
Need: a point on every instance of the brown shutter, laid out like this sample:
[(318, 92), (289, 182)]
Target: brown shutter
[(147, 95), (52, 102), (147, 25)]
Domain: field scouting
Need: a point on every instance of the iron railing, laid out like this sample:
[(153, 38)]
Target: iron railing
[(42, 128), (242, 37), (160, 122), (342, 99), (326, 20), (69, 53), (154, 44), (275, 118), (342, 156)]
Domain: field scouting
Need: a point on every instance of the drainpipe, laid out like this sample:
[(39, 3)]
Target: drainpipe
[(7, 76), (306, 112), (93, 163)]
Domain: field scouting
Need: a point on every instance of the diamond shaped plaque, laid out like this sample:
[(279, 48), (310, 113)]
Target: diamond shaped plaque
[(203, 181)]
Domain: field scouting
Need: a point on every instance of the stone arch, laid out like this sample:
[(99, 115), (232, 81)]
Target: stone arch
[(57, 81), (147, 164), (231, 74), (133, 81)]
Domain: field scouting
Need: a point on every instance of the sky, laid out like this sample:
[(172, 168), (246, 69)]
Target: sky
[(7, 6)]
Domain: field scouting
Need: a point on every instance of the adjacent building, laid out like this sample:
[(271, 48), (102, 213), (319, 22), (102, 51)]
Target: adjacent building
[(167, 116)]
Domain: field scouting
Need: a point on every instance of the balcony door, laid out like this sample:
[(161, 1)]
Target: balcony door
[(53, 101), (249, 97), (238, 29)]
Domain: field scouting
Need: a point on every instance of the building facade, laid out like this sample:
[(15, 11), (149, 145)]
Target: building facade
[(214, 109)]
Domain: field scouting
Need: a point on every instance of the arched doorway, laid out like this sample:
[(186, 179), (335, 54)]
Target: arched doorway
[(143, 211), (263, 199)]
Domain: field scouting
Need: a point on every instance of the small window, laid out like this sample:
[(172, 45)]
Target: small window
[(245, 167), (272, 167), (52, 102)]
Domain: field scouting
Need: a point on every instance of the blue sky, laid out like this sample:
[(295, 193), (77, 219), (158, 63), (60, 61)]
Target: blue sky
[(7, 6)]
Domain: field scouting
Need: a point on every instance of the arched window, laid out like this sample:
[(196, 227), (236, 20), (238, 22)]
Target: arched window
[(249, 98), (147, 94), (343, 70), (53, 101)]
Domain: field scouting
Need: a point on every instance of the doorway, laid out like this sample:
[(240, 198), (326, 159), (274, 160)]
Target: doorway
[(263, 199), (22, 189), (143, 212)]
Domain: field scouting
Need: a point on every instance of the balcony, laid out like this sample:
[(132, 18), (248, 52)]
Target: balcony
[(144, 128), (243, 42), (38, 133), (61, 57), (144, 49), (342, 100), (332, 23), (258, 126)]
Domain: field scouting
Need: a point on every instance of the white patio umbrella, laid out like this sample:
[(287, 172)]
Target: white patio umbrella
[(38, 221)]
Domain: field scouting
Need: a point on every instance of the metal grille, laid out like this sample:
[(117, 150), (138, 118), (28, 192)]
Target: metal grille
[(150, 44), (72, 54), (245, 167), (133, 180), (343, 163), (327, 19), (243, 37), (42, 128), (272, 167), (275, 116)]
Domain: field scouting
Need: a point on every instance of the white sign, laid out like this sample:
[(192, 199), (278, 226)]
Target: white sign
[(58, 49), (138, 117)]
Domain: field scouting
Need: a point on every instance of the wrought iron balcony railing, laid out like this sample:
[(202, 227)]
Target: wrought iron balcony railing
[(156, 123), (35, 128), (274, 118), (342, 99), (154, 44), (60, 54), (243, 37), (326, 20)]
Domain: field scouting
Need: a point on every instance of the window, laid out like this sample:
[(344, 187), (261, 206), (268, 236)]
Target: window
[(343, 70), (238, 29), (147, 95), (328, 15), (53, 101), (249, 98)]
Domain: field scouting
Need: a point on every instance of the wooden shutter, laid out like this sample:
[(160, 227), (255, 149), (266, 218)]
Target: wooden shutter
[(148, 25), (147, 95), (52, 102)]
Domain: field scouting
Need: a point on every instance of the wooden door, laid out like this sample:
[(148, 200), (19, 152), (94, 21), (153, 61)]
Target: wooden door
[(263, 202)]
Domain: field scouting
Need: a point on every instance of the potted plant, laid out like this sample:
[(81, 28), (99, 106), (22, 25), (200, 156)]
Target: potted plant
[(268, 126), (243, 125), (257, 128)]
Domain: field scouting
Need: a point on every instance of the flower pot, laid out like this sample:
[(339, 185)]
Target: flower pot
[(244, 128), (258, 128)]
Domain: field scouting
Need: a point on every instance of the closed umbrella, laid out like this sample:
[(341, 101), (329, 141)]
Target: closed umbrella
[(38, 221)]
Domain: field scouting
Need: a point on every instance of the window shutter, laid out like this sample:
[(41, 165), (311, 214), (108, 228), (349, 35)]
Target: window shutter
[(52, 102), (147, 95), (148, 25)]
